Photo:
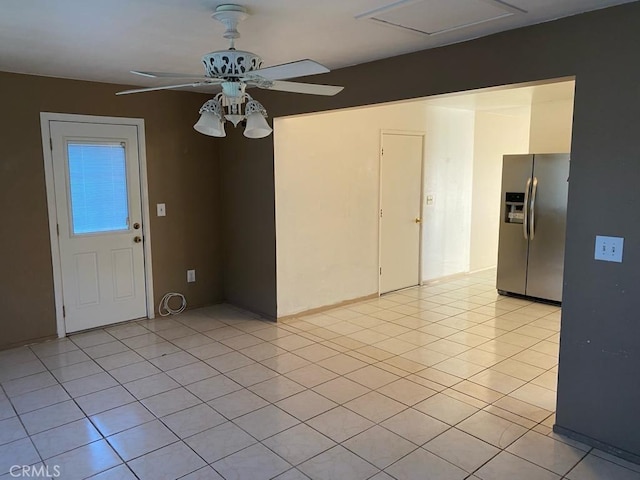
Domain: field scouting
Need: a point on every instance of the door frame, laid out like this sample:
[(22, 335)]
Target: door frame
[(413, 133), (45, 119)]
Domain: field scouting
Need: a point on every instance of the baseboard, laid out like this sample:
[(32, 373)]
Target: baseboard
[(480, 270), (324, 308), (27, 343), (454, 276), (375, 295), (605, 447)]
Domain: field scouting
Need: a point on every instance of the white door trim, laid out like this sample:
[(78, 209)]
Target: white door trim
[(45, 119), (384, 132)]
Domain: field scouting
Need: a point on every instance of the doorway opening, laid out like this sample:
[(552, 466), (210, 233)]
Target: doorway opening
[(327, 175), (95, 172), (327, 221)]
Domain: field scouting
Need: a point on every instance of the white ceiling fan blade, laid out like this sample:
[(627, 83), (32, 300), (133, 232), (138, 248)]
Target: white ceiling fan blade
[(308, 88), (169, 87), (301, 68), (167, 75)]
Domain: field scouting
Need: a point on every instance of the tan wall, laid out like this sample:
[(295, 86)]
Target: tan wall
[(448, 172), (182, 170), (327, 199), (551, 124), (496, 133)]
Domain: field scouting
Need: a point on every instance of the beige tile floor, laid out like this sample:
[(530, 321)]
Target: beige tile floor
[(447, 381)]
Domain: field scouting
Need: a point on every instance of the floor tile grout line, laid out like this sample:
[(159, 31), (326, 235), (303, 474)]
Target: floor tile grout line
[(375, 362), (183, 440), (160, 419), (16, 415), (290, 427), (541, 466)]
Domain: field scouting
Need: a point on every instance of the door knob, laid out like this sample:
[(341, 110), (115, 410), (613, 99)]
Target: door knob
[(418, 220), (137, 239), (136, 226)]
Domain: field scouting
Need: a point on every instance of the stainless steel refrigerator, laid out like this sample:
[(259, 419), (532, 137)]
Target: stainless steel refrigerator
[(532, 225)]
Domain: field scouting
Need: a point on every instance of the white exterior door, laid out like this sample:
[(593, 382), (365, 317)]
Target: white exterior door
[(400, 214), (96, 177)]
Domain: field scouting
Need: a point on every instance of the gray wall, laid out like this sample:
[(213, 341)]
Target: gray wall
[(598, 392)]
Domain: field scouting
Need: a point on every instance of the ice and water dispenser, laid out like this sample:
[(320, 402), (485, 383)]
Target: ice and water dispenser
[(514, 207)]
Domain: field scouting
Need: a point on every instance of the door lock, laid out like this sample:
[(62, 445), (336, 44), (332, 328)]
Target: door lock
[(136, 226), (137, 239)]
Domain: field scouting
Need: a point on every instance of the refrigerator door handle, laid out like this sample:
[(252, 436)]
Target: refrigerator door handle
[(532, 214), (525, 221)]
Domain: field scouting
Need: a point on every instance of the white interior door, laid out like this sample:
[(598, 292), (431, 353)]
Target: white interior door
[(96, 176), (400, 214)]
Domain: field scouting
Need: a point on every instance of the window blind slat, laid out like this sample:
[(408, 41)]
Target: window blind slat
[(98, 185)]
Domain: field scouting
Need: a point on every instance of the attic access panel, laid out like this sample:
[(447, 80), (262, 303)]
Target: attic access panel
[(432, 17)]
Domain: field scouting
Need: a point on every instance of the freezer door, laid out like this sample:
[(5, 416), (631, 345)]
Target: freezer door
[(548, 218), (512, 246)]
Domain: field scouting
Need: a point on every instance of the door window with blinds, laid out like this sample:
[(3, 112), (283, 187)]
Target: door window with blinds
[(97, 187)]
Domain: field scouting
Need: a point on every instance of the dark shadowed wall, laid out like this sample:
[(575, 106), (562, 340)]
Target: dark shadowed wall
[(183, 172), (599, 392), (248, 226)]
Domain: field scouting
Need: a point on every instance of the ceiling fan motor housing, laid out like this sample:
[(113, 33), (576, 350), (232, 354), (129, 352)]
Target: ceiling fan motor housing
[(230, 63), (234, 69)]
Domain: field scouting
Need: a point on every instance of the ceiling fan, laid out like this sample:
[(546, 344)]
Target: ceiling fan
[(235, 70)]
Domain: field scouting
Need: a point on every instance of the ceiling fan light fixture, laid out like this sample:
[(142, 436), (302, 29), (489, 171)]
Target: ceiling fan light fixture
[(257, 126), (210, 122), (210, 125), (216, 111), (234, 118), (232, 92)]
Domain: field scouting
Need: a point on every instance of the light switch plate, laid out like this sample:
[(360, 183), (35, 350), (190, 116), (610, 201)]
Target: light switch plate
[(162, 209), (191, 276), (609, 249)]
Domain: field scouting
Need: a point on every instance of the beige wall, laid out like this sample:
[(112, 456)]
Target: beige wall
[(327, 190), (551, 124), (182, 168), (448, 175), (497, 133)]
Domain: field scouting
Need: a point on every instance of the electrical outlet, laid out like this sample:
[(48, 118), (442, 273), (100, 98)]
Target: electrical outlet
[(430, 199), (191, 276), (609, 249)]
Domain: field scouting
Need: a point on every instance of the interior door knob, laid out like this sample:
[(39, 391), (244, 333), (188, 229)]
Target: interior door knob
[(137, 239), (418, 220)]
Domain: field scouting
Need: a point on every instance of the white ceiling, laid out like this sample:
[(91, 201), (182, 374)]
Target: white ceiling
[(101, 40)]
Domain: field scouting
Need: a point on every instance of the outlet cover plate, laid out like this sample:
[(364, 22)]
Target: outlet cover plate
[(609, 249)]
